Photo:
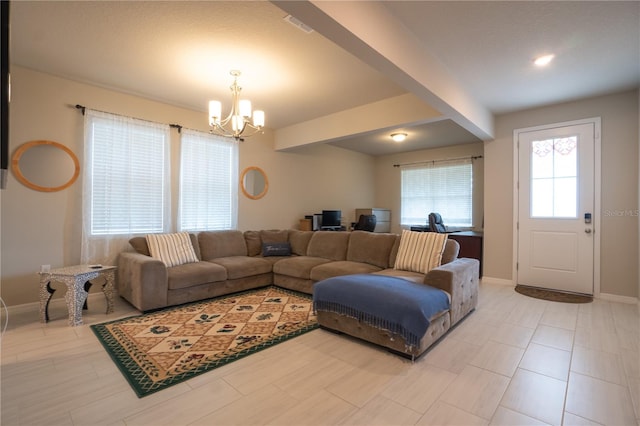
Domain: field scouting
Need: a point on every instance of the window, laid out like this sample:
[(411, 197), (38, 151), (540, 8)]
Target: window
[(208, 182), (442, 187), (554, 177), (128, 185), (126, 175)]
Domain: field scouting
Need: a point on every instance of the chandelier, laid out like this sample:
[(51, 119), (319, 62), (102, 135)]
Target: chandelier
[(240, 122)]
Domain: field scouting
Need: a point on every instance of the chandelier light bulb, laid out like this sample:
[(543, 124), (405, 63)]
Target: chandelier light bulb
[(237, 123), (258, 118), (215, 112), (245, 108)]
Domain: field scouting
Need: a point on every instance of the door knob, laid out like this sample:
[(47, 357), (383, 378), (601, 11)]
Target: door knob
[(588, 230)]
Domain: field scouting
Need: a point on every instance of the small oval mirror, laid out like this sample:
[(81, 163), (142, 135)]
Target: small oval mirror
[(254, 183), (45, 166)]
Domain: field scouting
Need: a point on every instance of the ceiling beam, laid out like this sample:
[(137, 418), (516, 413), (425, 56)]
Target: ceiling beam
[(371, 33), (403, 110)]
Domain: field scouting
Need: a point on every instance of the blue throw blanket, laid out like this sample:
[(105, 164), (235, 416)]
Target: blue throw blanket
[(384, 302)]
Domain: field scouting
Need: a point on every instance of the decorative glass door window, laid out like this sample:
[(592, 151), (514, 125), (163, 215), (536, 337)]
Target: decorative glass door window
[(554, 171)]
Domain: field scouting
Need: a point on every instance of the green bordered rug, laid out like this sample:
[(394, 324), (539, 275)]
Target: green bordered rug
[(160, 349)]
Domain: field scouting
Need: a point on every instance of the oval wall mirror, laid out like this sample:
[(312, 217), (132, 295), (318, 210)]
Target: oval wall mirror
[(45, 166), (254, 182)]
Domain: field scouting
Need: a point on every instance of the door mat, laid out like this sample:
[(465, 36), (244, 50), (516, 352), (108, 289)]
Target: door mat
[(554, 296), (163, 348)]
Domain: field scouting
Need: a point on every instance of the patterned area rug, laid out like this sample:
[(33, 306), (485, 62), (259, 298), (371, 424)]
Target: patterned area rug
[(163, 348), (554, 296)]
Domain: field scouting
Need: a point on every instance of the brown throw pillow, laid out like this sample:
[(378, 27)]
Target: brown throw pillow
[(139, 244)]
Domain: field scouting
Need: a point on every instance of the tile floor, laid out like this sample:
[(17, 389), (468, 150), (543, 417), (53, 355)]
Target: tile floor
[(514, 361)]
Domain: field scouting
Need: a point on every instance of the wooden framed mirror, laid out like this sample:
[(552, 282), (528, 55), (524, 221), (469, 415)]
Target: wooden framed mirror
[(254, 183), (45, 166)]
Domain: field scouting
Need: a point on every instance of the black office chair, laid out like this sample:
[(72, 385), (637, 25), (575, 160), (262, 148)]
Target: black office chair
[(366, 222), (436, 224)]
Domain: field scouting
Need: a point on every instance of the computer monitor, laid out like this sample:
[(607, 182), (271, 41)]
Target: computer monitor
[(331, 219)]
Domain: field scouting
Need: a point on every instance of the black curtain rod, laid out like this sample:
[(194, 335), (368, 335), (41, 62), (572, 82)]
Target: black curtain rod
[(83, 109), (473, 157)]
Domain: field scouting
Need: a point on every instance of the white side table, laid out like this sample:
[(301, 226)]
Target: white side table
[(77, 280)]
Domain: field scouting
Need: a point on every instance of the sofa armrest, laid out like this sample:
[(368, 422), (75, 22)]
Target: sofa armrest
[(460, 279), (142, 280)]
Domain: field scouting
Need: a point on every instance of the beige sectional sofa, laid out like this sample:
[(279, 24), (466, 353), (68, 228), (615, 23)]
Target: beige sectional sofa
[(232, 261)]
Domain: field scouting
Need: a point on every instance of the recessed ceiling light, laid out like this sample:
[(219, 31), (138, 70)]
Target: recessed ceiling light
[(541, 61), (398, 137)]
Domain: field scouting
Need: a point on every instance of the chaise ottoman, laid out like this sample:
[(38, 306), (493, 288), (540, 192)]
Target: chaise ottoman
[(398, 314)]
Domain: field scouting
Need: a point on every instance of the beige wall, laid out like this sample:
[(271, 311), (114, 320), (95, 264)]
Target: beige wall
[(619, 234), (388, 179), (44, 228), (304, 181)]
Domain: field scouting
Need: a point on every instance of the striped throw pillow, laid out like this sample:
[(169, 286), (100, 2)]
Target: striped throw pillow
[(420, 251), (172, 249)]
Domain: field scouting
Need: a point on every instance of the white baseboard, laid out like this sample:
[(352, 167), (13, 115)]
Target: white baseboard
[(616, 298), (603, 296), (498, 281), (35, 306)]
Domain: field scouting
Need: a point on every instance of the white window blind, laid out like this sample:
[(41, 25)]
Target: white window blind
[(208, 182), (127, 175), (443, 187)]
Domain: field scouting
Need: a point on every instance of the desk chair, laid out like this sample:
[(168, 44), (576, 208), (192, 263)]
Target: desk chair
[(366, 222), (436, 224)]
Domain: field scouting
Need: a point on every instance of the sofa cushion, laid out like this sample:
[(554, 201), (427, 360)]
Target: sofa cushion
[(274, 259), (196, 246), (298, 266), (139, 244), (330, 245), (193, 274), (254, 243), (299, 241), (420, 251), (276, 249), (394, 252), (339, 268), (451, 250), (215, 244), (371, 248), (172, 249), (243, 266), (274, 236)]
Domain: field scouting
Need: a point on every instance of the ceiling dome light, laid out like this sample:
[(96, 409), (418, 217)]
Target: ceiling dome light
[(541, 61), (398, 137)]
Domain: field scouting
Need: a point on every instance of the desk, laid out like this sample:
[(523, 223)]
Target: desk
[(470, 245), (77, 280)]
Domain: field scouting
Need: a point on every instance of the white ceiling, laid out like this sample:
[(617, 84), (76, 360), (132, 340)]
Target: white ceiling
[(181, 53), (489, 47)]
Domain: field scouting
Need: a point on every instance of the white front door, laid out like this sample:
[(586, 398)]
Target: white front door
[(556, 206)]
